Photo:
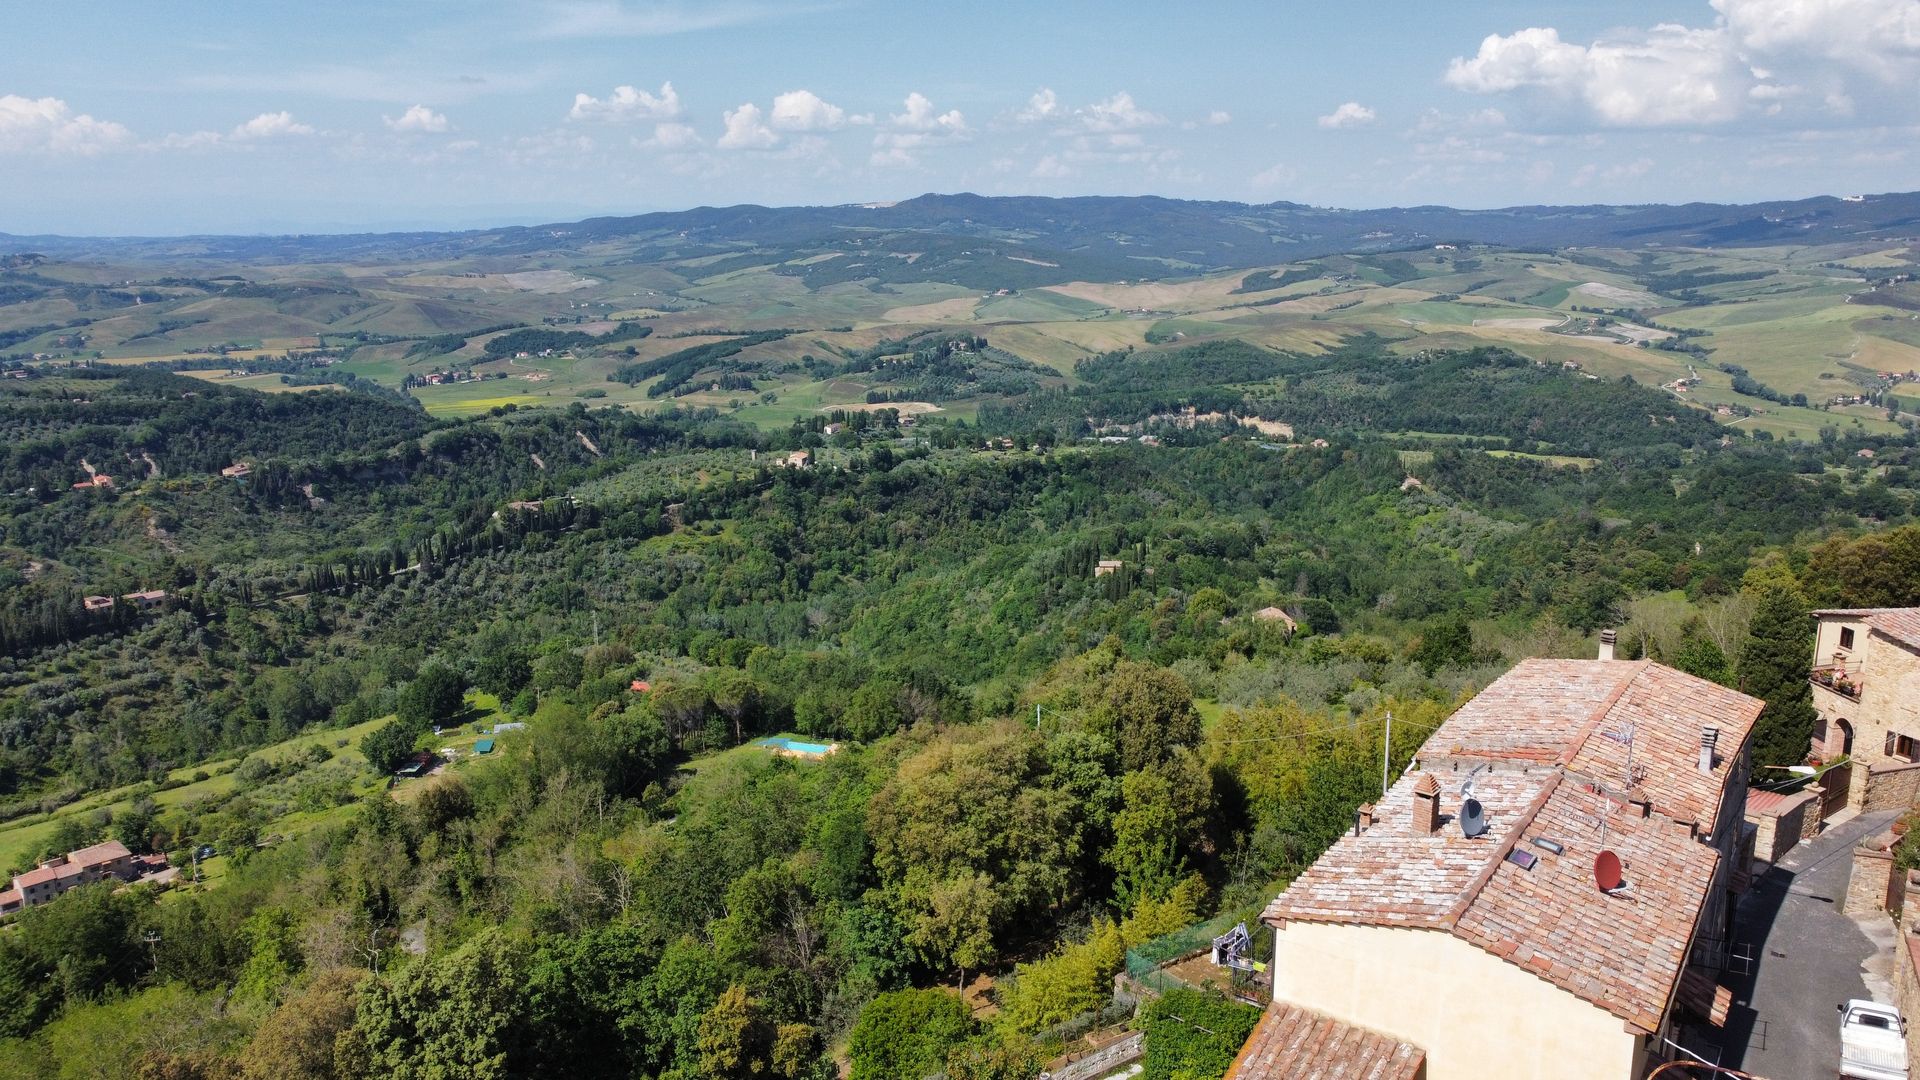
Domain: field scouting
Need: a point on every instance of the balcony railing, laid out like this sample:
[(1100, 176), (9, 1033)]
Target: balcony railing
[(1842, 679)]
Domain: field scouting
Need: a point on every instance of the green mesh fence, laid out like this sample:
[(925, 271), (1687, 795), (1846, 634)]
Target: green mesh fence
[(1149, 962)]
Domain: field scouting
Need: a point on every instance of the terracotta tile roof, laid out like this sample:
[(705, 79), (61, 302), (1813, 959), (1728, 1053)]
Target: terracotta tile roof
[(1533, 714), (1761, 802), (1547, 712), (40, 875), (1666, 710), (1622, 952), (1547, 731), (1900, 624), (1292, 1043), (99, 853), (1391, 875)]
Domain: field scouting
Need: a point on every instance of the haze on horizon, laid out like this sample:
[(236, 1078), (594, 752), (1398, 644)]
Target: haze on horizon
[(359, 116)]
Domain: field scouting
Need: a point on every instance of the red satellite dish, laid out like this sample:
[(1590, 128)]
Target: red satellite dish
[(1606, 871)]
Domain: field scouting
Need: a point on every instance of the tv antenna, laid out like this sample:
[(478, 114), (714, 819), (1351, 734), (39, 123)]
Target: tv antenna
[(1623, 735), (1386, 755)]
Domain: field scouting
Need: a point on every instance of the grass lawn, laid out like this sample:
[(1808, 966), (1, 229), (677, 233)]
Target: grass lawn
[(22, 838), (747, 751), (1557, 460)]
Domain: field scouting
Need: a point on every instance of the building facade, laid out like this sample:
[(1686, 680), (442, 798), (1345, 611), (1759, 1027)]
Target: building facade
[(1866, 689), (62, 872)]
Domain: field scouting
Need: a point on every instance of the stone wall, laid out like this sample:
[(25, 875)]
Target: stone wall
[(1892, 787), (1889, 701), (1777, 831), (1872, 876), (1906, 966), (1109, 1058)]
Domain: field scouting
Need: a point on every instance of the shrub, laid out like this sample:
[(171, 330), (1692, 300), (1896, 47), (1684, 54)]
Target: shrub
[(1191, 1034), (906, 1033)]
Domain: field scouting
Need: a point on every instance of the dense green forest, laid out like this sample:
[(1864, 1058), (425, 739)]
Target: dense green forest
[(1038, 769)]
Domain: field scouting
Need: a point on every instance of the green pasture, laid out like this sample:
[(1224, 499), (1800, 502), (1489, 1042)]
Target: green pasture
[(22, 838)]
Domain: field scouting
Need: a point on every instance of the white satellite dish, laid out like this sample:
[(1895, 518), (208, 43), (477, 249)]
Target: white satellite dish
[(1473, 817)]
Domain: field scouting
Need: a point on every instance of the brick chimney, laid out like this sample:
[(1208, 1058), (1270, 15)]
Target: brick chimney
[(1607, 638), (1709, 737), (1363, 818), (1426, 806)]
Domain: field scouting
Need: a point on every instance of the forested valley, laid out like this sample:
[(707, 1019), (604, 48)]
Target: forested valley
[(1081, 695)]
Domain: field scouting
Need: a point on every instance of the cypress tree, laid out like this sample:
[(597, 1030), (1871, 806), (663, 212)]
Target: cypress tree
[(1773, 667)]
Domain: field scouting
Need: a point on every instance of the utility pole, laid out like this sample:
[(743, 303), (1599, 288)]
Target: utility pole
[(1386, 755), (152, 938)]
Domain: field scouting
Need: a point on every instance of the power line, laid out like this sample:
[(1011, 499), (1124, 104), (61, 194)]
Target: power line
[(1357, 725)]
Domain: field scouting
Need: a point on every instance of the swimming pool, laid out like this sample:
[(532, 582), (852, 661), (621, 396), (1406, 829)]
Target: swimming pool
[(780, 744)]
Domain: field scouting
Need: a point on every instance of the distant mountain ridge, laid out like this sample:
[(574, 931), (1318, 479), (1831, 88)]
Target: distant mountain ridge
[(1112, 236)]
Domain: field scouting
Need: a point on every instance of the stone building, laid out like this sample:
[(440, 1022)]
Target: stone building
[(1866, 689)]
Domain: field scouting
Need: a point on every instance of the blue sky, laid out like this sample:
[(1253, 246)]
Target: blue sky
[(275, 116)]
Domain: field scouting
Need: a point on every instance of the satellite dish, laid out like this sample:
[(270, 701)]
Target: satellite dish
[(1473, 818), (1606, 871)]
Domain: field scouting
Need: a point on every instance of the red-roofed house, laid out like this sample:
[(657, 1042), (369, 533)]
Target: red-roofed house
[(1866, 688), (1447, 939), (62, 872)]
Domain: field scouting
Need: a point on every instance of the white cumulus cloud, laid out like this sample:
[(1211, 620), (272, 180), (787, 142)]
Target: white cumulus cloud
[(922, 116), (49, 125), (270, 125), (1349, 114), (672, 135), (418, 119), (803, 110), (1672, 76), (746, 129), (1118, 113), (1878, 37), (627, 104), (1803, 59), (1043, 105), (921, 125)]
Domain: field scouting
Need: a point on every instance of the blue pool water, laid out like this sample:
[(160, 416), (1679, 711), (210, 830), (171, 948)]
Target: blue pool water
[(812, 749)]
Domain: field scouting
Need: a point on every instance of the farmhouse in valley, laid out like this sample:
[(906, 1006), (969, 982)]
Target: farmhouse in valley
[(1547, 891), (62, 872)]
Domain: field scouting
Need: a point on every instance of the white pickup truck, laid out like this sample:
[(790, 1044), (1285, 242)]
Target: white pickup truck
[(1873, 1041)]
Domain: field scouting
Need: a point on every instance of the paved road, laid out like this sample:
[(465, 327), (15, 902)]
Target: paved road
[(1808, 957)]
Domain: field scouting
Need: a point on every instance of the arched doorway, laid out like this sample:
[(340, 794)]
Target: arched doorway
[(1839, 740)]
